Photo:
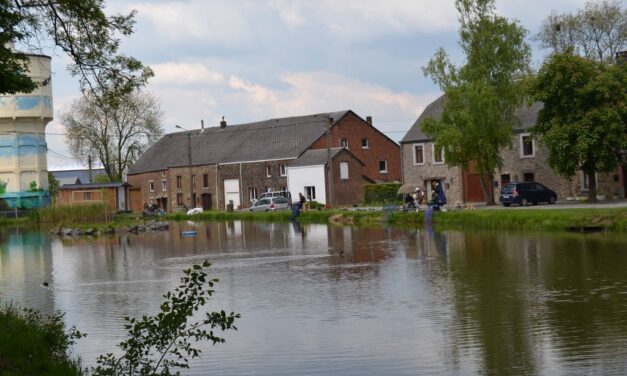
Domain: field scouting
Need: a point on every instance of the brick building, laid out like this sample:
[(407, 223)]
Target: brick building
[(211, 166), (526, 160)]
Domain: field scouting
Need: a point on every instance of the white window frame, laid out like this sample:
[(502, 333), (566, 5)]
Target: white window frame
[(384, 171), (313, 190), (413, 148), (268, 172), (367, 146), (151, 186), (283, 169), (522, 146), (344, 170), (433, 149), (344, 143), (252, 193), (164, 185), (163, 173), (582, 181)]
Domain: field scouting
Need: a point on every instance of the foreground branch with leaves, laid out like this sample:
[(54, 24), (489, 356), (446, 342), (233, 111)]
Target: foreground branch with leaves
[(158, 345)]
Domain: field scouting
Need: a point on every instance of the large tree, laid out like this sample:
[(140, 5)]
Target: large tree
[(584, 119), (482, 95), (117, 133), (79, 28), (597, 32)]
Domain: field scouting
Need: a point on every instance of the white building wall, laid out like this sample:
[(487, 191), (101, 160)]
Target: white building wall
[(300, 177)]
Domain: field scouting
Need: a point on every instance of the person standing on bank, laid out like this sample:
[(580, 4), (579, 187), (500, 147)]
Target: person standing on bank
[(302, 200)]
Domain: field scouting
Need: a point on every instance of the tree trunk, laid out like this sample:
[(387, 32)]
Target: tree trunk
[(487, 191), (592, 185)]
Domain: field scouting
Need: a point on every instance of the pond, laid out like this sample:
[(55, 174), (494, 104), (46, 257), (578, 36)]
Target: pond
[(332, 300)]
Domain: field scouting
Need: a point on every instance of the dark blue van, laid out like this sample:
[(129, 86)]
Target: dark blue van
[(525, 193)]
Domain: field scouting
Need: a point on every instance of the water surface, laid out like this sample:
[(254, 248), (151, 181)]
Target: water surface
[(332, 300)]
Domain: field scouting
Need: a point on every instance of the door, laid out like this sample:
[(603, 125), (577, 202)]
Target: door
[(231, 192), (135, 199), (206, 201)]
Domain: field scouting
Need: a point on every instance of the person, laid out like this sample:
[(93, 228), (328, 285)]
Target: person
[(435, 201), (409, 202), (418, 196), (302, 200)]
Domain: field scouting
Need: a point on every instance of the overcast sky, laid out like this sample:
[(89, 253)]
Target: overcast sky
[(254, 60)]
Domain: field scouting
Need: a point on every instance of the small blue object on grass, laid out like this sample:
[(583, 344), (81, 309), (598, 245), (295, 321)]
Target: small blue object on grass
[(295, 210)]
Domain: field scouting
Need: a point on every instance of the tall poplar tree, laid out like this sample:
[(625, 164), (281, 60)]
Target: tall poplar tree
[(483, 94)]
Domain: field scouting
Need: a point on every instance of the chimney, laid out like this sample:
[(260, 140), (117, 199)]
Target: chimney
[(223, 123), (369, 120), (202, 124)]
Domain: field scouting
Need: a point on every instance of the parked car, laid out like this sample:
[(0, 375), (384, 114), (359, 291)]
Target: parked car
[(525, 193), (285, 194), (270, 204)]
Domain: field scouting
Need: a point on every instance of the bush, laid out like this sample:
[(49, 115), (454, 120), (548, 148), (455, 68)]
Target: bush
[(31, 344), (381, 193)]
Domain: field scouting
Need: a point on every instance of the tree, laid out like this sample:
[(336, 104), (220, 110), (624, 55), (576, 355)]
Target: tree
[(158, 344), (597, 32), (483, 95), (583, 122), (79, 28), (114, 132)]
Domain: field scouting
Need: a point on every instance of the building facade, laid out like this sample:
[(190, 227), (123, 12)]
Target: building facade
[(237, 163), (527, 160)]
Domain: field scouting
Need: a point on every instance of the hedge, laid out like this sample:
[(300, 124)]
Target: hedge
[(381, 193)]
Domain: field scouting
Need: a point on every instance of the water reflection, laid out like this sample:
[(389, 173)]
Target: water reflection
[(320, 299)]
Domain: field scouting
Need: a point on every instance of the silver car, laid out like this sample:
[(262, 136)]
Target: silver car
[(270, 204)]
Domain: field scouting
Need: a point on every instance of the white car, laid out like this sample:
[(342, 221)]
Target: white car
[(270, 204), (194, 211)]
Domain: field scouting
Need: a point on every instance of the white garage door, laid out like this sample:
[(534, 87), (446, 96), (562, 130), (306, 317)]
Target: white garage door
[(231, 191)]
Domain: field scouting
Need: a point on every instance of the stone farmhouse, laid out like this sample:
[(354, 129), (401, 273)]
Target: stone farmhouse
[(210, 167), (526, 161)]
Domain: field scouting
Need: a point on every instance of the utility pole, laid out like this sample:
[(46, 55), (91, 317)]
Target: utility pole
[(91, 178), (330, 200), (189, 166)]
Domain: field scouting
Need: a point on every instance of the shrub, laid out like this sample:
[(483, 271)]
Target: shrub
[(381, 193)]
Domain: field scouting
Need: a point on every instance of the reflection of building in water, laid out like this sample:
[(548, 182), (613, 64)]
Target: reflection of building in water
[(25, 262), (362, 245)]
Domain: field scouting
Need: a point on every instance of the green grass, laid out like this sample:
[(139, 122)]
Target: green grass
[(611, 219), (33, 345), (75, 214)]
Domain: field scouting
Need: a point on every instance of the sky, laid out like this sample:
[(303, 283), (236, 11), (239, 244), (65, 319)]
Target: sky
[(251, 60)]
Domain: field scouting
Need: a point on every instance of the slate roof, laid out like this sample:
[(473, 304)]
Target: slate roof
[(315, 157), (76, 176), (527, 115), (93, 185), (283, 138)]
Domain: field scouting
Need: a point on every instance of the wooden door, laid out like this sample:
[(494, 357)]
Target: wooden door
[(135, 199)]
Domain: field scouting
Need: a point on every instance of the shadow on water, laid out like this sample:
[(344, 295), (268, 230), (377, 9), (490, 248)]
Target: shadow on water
[(311, 296)]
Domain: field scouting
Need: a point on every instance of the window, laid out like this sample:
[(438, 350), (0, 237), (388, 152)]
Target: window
[(163, 174), (269, 189), (585, 181), (179, 199), (383, 167), (179, 182), (151, 186), (419, 157), (164, 185), (194, 181), (527, 149), (505, 179), (87, 196), (205, 181), (268, 172), (364, 143), (252, 193), (310, 193), (344, 143), (438, 154), (283, 189), (528, 177), (343, 170), (283, 169)]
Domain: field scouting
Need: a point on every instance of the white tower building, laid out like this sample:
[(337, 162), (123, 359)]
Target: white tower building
[(23, 148)]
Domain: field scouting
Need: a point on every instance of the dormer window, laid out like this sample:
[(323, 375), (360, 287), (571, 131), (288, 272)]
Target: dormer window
[(344, 143)]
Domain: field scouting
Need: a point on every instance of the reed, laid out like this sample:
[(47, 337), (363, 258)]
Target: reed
[(75, 214)]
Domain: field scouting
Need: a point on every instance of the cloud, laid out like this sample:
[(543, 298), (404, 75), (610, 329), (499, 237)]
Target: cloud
[(184, 74)]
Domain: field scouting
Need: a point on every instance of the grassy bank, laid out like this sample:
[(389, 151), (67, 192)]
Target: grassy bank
[(33, 345), (611, 219)]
